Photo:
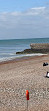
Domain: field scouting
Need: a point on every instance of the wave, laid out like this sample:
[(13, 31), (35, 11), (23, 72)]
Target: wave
[(19, 56)]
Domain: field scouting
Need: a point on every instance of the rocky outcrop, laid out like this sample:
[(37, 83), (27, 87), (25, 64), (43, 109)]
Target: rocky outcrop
[(26, 51), (36, 48)]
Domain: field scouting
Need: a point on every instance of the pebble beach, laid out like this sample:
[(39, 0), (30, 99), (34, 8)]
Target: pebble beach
[(19, 75)]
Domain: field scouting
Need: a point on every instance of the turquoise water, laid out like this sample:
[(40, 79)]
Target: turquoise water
[(8, 48)]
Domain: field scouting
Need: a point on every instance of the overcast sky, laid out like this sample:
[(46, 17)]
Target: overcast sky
[(24, 19)]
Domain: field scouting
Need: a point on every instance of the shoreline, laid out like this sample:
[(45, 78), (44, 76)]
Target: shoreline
[(35, 49), (18, 59)]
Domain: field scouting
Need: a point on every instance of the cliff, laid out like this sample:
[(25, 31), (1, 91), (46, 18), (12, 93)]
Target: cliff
[(36, 48), (39, 45)]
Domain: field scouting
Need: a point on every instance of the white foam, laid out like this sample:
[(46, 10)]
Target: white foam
[(19, 56), (34, 54)]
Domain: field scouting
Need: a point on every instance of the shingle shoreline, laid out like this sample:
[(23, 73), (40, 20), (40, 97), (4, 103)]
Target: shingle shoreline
[(17, 77)]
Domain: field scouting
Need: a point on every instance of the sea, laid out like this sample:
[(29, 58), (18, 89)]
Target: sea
[(8, 48)]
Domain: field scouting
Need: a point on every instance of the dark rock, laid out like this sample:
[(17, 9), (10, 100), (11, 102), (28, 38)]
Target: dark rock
[(29, 51), (26, 51)]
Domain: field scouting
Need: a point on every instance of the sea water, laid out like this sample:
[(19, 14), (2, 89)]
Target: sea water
[(8, 48)]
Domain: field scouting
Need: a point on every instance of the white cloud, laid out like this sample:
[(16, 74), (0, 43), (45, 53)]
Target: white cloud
[(36, 11), (16, 13), (15, 17), (38, 8), (32, 11), (25, 23), (21, 17)]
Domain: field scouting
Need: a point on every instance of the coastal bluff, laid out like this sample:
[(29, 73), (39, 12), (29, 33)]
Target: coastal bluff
[(39, 45), (36, 48)]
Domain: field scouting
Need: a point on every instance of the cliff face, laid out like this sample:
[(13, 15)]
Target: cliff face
[(39, 45)]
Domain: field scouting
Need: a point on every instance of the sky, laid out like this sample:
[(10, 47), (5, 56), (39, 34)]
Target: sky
[(24, 19)]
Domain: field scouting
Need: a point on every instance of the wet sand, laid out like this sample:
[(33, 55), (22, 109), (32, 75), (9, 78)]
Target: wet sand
[(23, 74)]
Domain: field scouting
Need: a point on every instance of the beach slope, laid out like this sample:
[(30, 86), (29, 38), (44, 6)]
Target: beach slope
[(20, 75)]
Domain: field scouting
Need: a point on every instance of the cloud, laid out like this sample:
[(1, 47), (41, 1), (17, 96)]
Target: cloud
[(20, 17), (35, 11), (16, 13), (14, 18), (34, 22), (32, 11)]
